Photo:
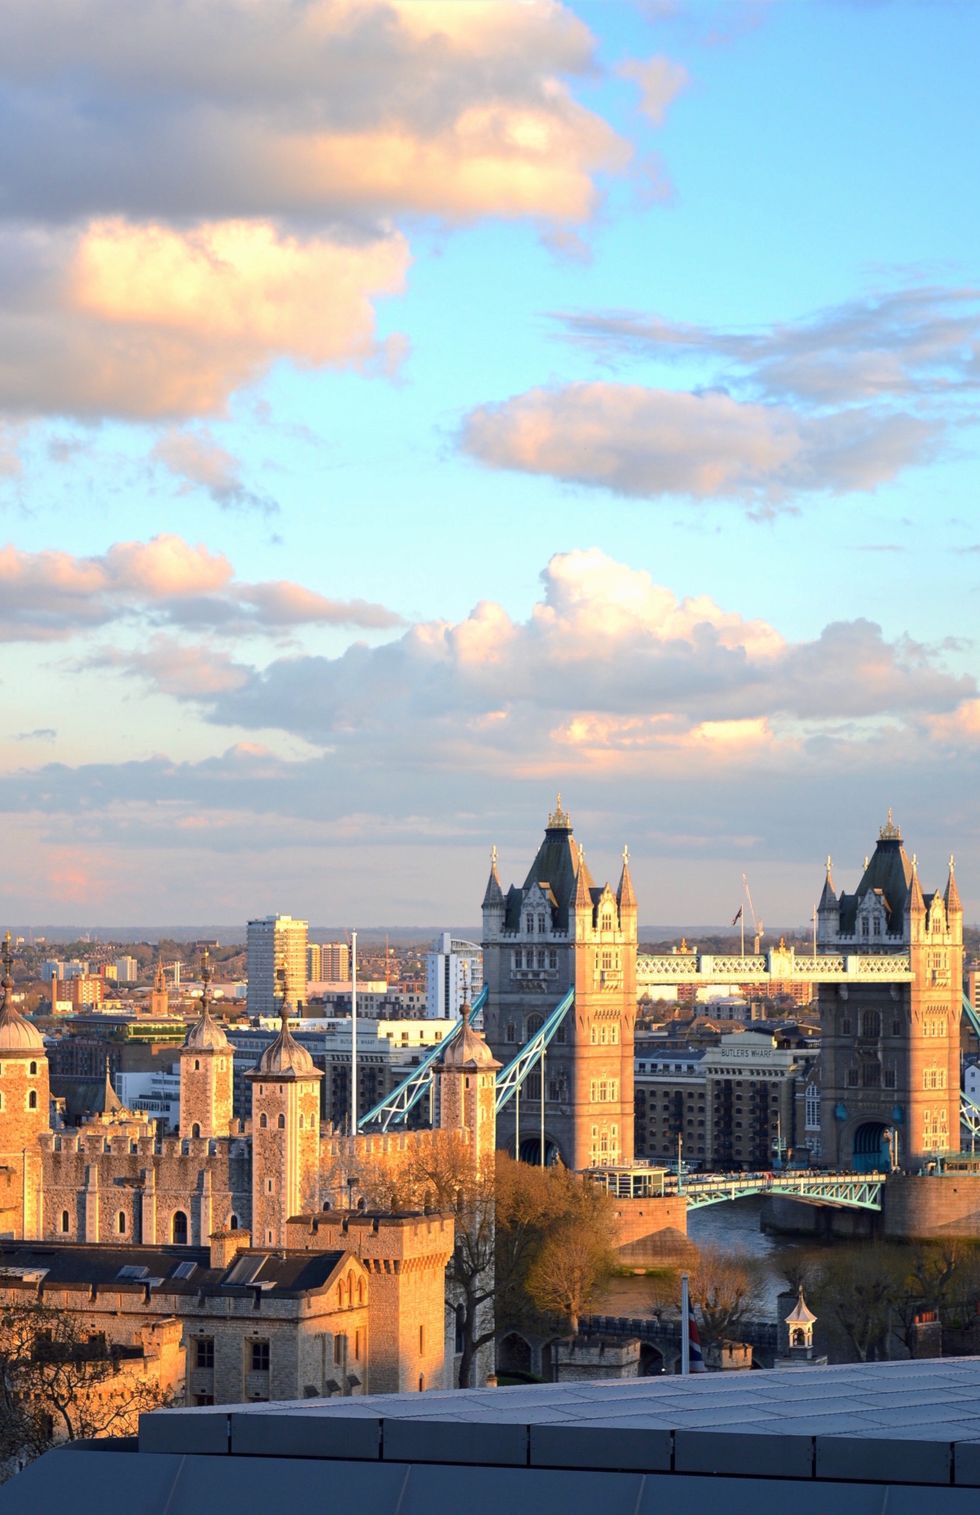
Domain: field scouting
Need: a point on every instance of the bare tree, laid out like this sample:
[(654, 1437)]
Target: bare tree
[(725, 1288), (58, 1383), (571, 1265)]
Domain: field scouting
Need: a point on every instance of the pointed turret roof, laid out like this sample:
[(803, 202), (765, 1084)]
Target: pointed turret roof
[(624, 894), (952, 894), (468, 1052), (206, 1035), (801, 1314), (582, 898), (285, 1057), (555, 868), (17, 1035), (889, 871), (915, 901), (828, 898), (494, 895), (107, 1101)]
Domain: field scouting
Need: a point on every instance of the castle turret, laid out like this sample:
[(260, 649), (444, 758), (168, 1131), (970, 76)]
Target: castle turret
[(285, 1135), (24, 1111), (468, 1090), (206, 1070)]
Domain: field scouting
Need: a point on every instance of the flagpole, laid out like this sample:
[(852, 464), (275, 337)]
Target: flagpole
[(353, 1034), (685, 1326)]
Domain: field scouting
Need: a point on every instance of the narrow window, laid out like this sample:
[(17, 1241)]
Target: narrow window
[(65, 1223), (32, 1100), (263, 1120), (260, 1357), (281, 1123), (195, 1129), (121, 1223)]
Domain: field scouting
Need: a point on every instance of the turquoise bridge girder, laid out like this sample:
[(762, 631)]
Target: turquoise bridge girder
[(510, 1079), (852, 1191), (969, 1108), (394, 1109)]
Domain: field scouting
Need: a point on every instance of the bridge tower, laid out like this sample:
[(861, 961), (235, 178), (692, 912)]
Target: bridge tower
[(559, 931), (890, 1059)]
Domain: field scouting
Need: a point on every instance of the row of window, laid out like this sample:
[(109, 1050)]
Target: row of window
[(602, 1090), (534, 958), (280, 1123)]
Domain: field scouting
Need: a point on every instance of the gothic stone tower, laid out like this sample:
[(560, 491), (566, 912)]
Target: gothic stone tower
[(890, 1068), (24, 1113), (285, 1137), (206, 1071), (562, 931)]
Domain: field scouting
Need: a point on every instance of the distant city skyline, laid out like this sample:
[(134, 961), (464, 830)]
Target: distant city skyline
[(408, 410)]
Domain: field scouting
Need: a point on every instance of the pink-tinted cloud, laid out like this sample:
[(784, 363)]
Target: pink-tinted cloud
[(660, 80), (652, 443), (51, 596), (143, 321)]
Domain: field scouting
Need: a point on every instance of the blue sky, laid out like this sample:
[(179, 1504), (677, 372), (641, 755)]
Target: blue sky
[(413, 409)]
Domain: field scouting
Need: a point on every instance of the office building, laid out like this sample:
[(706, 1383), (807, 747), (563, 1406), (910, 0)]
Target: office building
[(453, 973), (276, 963)]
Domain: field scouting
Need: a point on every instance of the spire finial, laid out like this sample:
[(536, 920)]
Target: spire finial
[(559, 817), (7, 959), (915, 862), (889, 831), (626, 856), (829, 864), (493, 856), (952, 862), (205, 982)]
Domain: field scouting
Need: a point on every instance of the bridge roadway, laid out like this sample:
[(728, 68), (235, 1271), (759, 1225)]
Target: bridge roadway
[(781, 964), (853, 1191)]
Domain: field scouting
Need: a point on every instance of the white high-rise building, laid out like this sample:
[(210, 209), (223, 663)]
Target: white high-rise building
[(276, 942), (453, 972), (127, 970)]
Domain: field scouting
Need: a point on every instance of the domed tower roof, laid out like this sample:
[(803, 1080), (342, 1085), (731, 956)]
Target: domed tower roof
[(468, 1051), (17, 1036), (206, 1035), (801, 1314), (285, 1057)]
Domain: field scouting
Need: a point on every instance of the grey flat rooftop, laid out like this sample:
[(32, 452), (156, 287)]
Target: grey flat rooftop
[(857, 1436)]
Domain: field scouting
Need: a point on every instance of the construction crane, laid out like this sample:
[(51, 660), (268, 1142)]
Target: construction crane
[(758, 927)]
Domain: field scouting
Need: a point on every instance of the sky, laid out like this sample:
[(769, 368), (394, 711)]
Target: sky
[(409, 410)]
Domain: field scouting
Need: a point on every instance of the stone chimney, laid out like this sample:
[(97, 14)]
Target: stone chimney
[(225, 1246)]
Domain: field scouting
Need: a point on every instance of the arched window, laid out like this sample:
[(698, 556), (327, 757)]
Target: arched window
[(32, 1100), (233, 1222), (263, 1120), (121, 1223), (360, 1291), (195, 1129), (178, 1228), (534, 1023), (65, 1222), (302, 1121), (870, 1023), (197, 1065), (281, 1123), (32, 1069)]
